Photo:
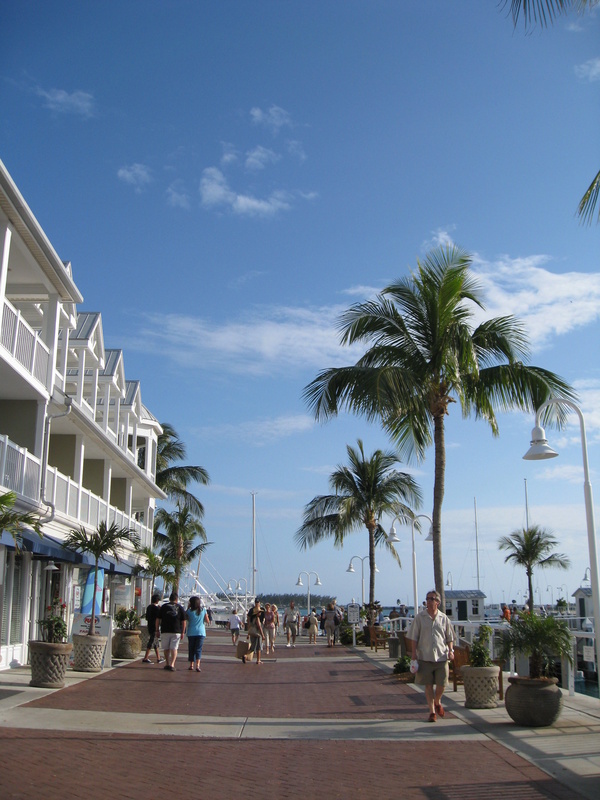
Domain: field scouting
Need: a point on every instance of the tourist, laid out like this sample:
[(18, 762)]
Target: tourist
[(431, 637), (172, 622), (394, 614), (196, 632), (322, 619), (256, 632), (269, 628), (277, 621), (291, 618), (153, 637), (235, 623), (313, 627), (505, 616), (330, 616)]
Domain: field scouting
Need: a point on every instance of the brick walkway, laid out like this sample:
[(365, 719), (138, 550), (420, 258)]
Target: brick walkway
[(328, 687)]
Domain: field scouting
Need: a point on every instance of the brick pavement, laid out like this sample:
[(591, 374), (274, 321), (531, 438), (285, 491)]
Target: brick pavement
[(307, 682)]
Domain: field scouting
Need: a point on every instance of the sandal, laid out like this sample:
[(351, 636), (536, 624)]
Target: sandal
[(432, 717), (439, 709)]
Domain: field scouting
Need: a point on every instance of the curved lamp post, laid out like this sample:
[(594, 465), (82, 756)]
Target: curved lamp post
[(586, 575), (362, 568), (392, 538), (449, 581), (551, 590), (299, 583), (540, 450)]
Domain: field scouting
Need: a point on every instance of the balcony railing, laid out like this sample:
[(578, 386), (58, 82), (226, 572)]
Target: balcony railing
[(19, 470), (23, 343)]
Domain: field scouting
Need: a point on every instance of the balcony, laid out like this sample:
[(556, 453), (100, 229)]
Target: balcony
[(23, 343)]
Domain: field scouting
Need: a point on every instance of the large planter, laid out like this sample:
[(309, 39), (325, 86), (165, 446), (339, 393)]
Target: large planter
[(49, 662), (88, 652), (481, 686), (533, 702), (126, 644)]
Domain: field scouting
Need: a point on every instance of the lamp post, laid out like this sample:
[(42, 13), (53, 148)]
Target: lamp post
[(299, 583), (540, 450), (586, 575), (551, 590), (449, 581), (238, 588), (566, 593), (392, 538), (362, 569)]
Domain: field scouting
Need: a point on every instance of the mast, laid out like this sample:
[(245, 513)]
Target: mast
[(476, 542), (253, 545), (526, 506)]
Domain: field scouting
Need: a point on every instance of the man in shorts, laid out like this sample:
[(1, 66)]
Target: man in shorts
[(291, 618), (172, 622), (432, 645)]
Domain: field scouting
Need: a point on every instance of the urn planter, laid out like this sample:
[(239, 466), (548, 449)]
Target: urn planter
[(481, 686), (88, 652), (49, 662), (533, 702), (126, 644)]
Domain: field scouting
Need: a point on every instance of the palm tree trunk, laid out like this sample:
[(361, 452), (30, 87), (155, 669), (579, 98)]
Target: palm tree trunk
[(92, 629), (371, 529), (438, 499), (530, 587)]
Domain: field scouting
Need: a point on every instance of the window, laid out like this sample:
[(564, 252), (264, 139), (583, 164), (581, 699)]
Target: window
[(475, 607)]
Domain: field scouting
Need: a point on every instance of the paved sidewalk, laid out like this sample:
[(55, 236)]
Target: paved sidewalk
[(310, 722)]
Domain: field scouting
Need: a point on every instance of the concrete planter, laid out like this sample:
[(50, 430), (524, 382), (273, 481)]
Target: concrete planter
[(126, 644), (88, 652), (533, 702), (49, 662), (481, 686)]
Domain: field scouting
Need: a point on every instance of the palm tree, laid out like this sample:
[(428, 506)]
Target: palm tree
[(14, 522), (425, 355), (544, 12), (364, 491), (156, 566), (532, 547), (105, 540), (173, 478), (176, 543)]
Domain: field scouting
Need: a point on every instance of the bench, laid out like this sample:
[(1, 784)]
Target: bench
[(378, 637), (461, 659)]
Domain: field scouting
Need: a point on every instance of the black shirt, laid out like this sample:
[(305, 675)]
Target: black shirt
[(172, 617)]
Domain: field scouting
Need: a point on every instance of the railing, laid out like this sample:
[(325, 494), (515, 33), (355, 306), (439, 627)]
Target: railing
[(19, 470), (23, 343)]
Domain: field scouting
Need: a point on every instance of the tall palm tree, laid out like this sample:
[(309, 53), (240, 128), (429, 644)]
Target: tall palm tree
[(156, 566), (532, 547), (174, 478), (424, 356), (364, 490), (544, 12), (105, 540), (176, 541), (14, 522)]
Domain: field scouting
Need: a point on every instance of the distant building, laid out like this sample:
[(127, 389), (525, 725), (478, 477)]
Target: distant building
[(464, 605), (583, 603), (77, 445)]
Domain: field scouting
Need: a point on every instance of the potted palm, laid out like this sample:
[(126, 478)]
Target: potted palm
[(127, 637), (49, 656), (536, 701), (88, 649), (480, 675)]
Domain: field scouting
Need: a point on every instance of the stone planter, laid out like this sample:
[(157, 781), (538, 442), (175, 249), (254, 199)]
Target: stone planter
[(88, 652), (126, 644), (533, 702), (49, 662), (481, 686)]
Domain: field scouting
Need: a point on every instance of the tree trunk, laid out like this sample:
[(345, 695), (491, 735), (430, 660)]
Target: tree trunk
[(371, 529), (530, 587), (438, 499), (92, 629)]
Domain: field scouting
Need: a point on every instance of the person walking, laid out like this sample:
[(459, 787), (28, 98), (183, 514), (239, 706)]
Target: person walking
[(431, 637), (291, 618), (235, 623), (313, 627), (269, 628), (330, 617), (153, 637), (255, 630), (172, 623), (196, 632)]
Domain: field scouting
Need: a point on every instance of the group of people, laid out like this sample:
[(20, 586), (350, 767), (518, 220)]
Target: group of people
[(169, 623)]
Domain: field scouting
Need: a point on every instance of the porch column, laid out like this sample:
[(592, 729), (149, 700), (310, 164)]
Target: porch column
[(5, 238), (50, 337)]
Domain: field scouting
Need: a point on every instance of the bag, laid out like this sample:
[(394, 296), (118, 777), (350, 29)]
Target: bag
[(307, 624), (243, 649), (336, 620)]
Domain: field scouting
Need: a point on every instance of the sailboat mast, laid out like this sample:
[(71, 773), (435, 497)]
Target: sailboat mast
[(253, 545), (476, 541)]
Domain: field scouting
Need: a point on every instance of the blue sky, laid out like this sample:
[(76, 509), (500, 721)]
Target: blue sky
[(226, 178)]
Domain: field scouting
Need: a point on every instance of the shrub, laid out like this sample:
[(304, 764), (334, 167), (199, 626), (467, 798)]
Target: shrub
[(127, 619), (479, 654), (402, 665)]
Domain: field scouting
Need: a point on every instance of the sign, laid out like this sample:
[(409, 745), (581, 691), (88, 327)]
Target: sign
[(103, 627), (353, 611), (588, 653)]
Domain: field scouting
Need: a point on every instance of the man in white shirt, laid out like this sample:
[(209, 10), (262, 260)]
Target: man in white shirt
[(290, 624), (235, 623)]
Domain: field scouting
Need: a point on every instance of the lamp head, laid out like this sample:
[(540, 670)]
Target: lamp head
[(299, 581), (318, 582), (350, 568), (429, 537), (540, 449), (51, 567), (392, 538)]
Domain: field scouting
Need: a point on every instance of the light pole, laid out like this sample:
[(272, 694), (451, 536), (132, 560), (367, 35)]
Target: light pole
[(551, 590), (235, 589), (362, 568), (540, 450), (566, 594), (449, 581), (585, 579), (299, 583), (392, 538)]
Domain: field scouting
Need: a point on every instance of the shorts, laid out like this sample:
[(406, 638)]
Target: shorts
[(291, 627), (170, 641), (432, 672)]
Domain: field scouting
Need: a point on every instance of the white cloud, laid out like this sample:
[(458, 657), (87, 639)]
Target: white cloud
[(177, 197), (260, 157), (136, 175), (230, 154), (79, 103), (589, 70), (260, 432), (296, 149), (215, 192), (274, 118)]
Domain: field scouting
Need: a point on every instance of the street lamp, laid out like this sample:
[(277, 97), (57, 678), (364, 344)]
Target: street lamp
[(362, 569), (299, 583), (541, 450), (566, 593), (585, 579), (449, 581), (238, 588), (392, 538), (551, 590)]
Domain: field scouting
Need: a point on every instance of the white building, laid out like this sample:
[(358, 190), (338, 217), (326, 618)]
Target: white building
[(464, 605), (77, 445)]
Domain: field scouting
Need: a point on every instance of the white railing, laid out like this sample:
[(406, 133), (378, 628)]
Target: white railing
[(19, 470), (23, 343)]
